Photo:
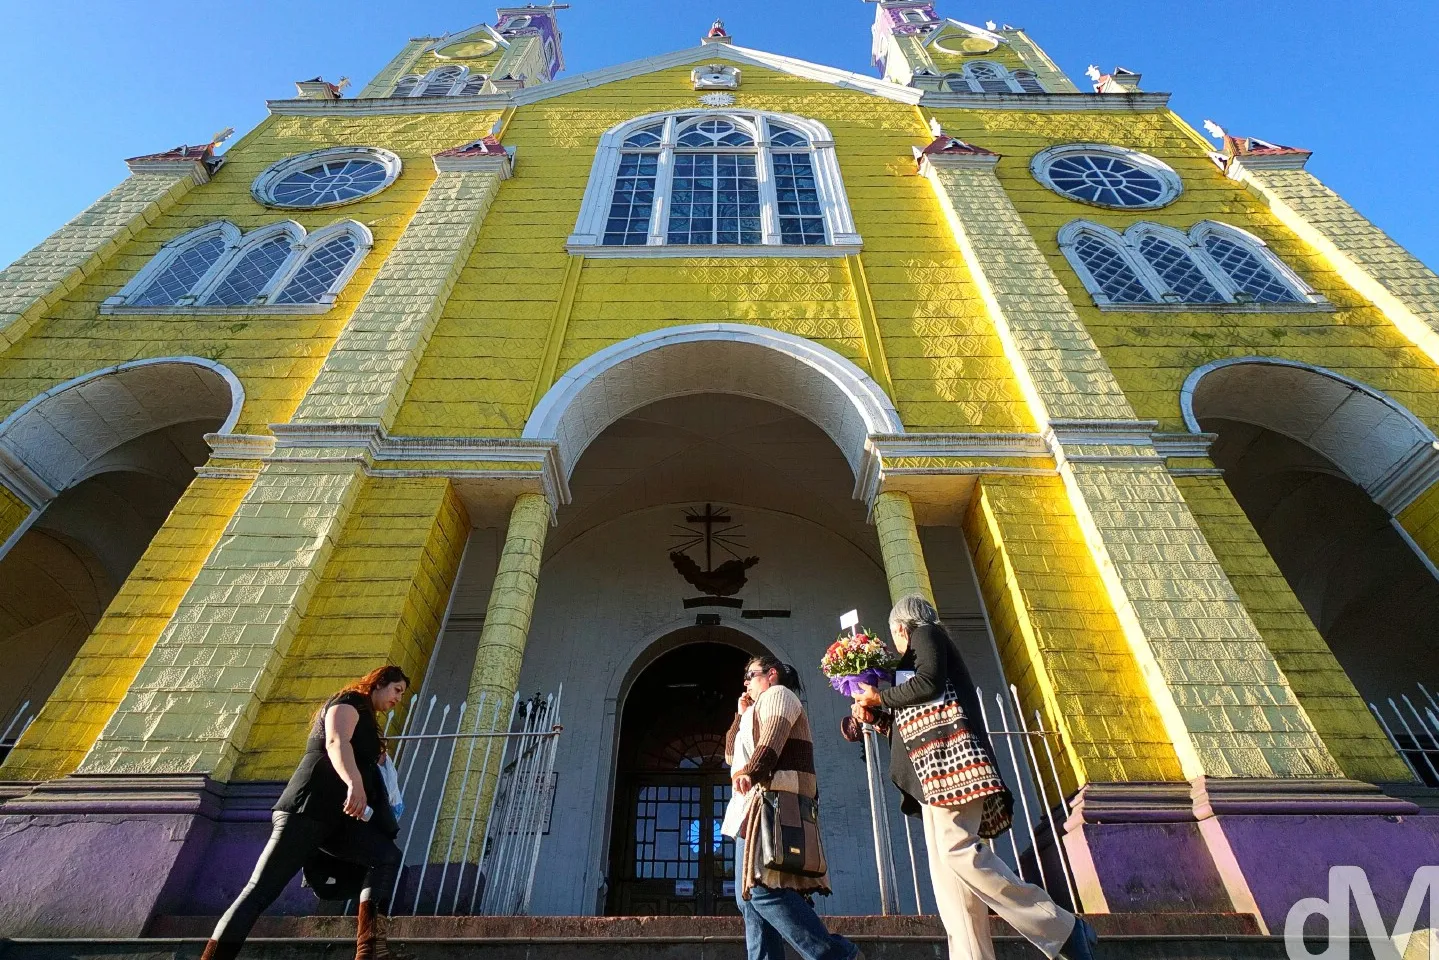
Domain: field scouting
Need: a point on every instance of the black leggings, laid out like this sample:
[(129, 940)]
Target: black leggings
[(293, 840)]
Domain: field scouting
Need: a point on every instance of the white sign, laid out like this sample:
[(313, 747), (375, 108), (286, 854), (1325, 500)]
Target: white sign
[(1344, 881), (849, 620), (684, 888)]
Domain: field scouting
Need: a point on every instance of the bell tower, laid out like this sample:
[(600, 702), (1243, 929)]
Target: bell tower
[(913, 45), (522, 48)]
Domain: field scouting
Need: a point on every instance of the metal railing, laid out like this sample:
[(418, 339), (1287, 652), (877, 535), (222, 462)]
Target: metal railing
[(1038, 816), (451, 869), (1414, 731), (15, 728)]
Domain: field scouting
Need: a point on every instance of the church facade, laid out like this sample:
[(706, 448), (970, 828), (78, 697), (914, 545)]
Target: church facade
[(609, 382)]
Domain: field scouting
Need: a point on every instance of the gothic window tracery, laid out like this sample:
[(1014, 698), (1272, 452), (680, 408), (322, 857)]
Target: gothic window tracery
[(326, 178), (1213, 265), (715, 179), (984, 76), (216, 267), (447, 81)]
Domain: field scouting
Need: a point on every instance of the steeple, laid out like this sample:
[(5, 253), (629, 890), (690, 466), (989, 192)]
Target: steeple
[(915, 46), (522, 48)]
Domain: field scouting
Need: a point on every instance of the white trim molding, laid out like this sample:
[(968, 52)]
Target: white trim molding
[(795, 373), (46, 444), (1171, 186), (1373, 439), (225, 247), (1176, 271), (771, 136), (701, 53), (264, 185), (1062, 102)]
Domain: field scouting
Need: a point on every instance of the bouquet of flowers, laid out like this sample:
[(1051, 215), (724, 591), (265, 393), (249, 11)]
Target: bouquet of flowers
[(855, 659)]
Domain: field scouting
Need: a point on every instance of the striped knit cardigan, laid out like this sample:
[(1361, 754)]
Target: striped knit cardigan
[(781, 759)]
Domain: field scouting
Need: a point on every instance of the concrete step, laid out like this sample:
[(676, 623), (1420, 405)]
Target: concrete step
[(1123, 937)]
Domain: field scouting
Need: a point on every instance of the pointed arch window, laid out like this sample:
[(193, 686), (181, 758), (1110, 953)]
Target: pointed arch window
[(984, 76), (276, 269), (1109, 268), (450, 80), (1213, 266), (253, 271), (735, 181), (1247, 270), (181, 270)]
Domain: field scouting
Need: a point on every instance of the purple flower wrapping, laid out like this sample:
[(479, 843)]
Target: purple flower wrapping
[(849, 683)]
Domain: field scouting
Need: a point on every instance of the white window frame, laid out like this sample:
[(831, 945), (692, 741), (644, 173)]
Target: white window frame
[(1009, 77), (263, 187), (843, 239), (1166, 175), (1192, 242), (422, 81), (236, 246)]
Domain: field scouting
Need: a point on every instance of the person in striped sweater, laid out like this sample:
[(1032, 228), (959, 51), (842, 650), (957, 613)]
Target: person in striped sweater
[(769, 746)]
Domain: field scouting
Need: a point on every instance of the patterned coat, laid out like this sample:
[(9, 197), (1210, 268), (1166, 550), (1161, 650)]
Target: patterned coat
[(781, 759), (973, 773)]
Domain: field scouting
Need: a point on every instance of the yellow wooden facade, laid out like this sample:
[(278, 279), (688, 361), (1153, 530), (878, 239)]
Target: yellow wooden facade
[(518, 310)]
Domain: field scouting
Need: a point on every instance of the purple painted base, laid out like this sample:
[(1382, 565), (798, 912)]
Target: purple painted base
[(1149, 868), (1246, 845), (86, 876), (1287, 858), (102, 856)]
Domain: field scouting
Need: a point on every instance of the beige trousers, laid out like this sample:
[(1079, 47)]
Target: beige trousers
[(970, 880)]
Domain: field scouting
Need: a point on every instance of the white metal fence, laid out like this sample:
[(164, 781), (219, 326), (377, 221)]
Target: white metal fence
[(450, 869), (15, 727), (1414, 731), (1034, 842)]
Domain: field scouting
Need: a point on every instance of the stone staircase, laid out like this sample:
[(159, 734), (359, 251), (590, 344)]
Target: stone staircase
[(1124, 937)]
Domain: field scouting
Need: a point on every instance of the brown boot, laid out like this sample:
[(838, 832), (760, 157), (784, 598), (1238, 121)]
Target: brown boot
[(372, 934), (215, 950)]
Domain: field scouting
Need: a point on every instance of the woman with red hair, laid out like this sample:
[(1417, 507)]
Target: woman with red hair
[(335, 803)]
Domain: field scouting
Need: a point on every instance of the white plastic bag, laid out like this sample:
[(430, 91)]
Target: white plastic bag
[(391, 776)]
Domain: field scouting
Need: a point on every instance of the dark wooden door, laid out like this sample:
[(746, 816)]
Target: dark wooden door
[(675, 861)]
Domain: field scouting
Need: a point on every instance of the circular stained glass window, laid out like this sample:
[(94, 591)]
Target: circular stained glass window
[(327, 178), (1107, 176)]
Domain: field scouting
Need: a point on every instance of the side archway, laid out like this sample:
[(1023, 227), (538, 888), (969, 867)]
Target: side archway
[(797, 374), (100, 460), (1321, 464)]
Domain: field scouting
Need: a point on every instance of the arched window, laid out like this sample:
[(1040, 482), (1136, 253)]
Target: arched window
[(178, 268), (1248, 264), (257, 264), (323, 262), (1028, 81), (441, 81), (983, 76), (447, 81), (735, 179), (986, 77), (216, 268), (1213, 265), (1100, 259), (1183, 281)]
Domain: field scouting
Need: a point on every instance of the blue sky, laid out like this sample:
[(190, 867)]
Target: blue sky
[(89, 83)]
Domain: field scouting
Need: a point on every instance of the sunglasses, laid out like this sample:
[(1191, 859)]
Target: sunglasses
[(751, 674)]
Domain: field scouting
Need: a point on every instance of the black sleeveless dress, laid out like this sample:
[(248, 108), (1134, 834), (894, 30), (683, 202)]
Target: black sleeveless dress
[(317, 791)]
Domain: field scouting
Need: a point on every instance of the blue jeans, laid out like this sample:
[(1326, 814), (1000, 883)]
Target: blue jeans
[(773, 916)]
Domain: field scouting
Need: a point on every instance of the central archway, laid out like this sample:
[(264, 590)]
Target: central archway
[(667, 857), (795, 373)]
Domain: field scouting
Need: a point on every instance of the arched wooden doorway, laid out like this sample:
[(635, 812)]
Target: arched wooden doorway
[(667, 857)]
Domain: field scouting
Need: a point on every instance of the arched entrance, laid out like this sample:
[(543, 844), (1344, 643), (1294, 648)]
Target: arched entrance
[(1320, 464), (667, 857)]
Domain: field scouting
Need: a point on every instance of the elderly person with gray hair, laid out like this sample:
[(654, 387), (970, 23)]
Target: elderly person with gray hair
[(944, 767)]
